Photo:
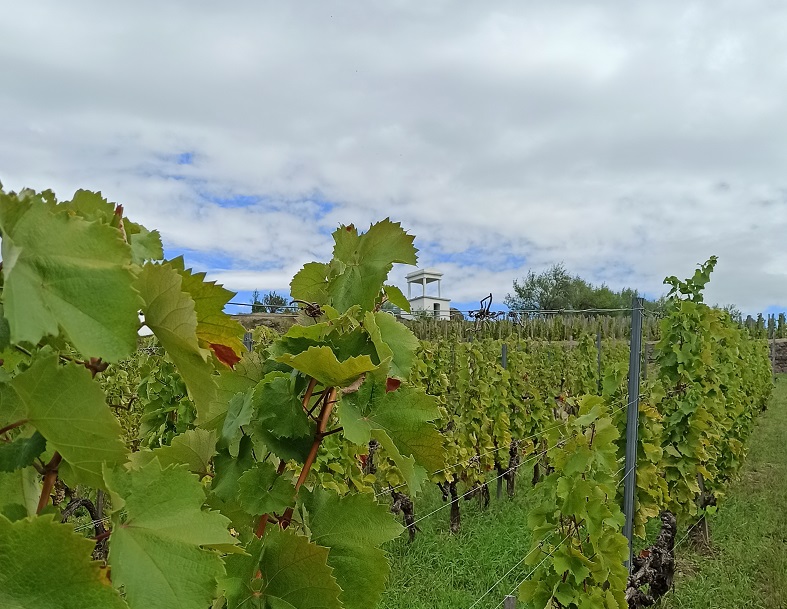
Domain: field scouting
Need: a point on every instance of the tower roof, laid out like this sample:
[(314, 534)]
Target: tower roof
[(420, 274)]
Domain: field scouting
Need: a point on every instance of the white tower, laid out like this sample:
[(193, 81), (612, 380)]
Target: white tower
[(437, 306)]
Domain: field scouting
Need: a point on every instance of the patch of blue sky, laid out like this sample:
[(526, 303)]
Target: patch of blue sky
[(465, 306), (185, 158), (198, 260), (230, 200), (241, 303), (774, 310)]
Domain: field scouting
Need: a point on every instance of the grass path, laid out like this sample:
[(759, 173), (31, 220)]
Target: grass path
[(444, 571), (747, 567)]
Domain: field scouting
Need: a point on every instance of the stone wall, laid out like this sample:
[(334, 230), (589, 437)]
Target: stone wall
[(781, 354)]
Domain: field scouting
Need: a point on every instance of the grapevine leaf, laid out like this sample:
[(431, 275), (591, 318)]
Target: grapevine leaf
[(21, 452), (280, 409), (194, 448), (214, 326), (321, 364), (157, 549), (365, 261), (19, 493), (145, 244), (414, 475), (404, 416), (11, 409), (239, 413), (398, 338), (293, 573), (243, 378), (29, 548), (62, 272), (229, 469), (288, 449), (353, 527), (170, 313), (69, 410), (5, 331), (310, 284), (396, 298), (90, 206), (261, 490)]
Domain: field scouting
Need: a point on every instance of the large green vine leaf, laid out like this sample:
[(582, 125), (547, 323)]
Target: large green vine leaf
[(402, 421), (38, 550), (157, 550), (360, 266), (170, 313), (21, 452), (62, 272), (321, 364), (261, 490), (194, 448), (281, 571), (19, 493), (353, 527), (70, 411)]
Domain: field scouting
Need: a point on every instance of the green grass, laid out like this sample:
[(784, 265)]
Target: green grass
[(440, 570), (746, 567)]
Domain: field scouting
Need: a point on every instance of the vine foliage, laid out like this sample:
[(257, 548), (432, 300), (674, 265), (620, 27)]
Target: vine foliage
[(221, 500)]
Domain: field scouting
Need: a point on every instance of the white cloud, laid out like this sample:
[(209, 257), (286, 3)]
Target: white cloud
[(631, 142)]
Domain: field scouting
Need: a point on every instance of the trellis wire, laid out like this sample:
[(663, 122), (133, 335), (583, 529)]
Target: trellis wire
[(529, 575), (532, 458)]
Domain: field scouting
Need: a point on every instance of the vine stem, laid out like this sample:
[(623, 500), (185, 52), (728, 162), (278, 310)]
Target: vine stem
[(322, 423), (8, 428), (50, 477), (263, 522), (308, 395)]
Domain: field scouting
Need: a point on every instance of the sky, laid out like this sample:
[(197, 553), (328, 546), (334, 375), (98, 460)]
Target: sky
[(629, 141)]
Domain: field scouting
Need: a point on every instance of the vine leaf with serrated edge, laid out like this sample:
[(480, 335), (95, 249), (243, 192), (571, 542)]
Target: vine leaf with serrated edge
[(215, 329), (262, 490), (21, 452), (321, 363), (282, 570), (159, 549), (353, 527), (170, 313), (28, 550), (401, 421), (70, 411), (360, 266), (194, 448), (62, 272)]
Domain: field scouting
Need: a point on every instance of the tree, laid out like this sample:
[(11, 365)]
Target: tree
[(556, 289), (269, 303)]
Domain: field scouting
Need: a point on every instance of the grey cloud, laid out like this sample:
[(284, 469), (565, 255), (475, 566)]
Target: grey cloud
[(593, 133)]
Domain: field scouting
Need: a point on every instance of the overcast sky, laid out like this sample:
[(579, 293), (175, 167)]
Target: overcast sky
[(629, 140)]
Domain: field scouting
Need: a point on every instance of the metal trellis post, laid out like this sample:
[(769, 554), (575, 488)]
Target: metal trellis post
[(632, 422), (598, 354)]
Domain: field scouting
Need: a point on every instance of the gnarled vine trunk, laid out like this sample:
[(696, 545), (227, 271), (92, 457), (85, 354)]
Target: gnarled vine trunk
[(654, 567)]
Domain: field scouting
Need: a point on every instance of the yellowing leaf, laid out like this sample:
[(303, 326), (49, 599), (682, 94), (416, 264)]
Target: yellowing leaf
[(170, 314), (321, 363), (214, 326)]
